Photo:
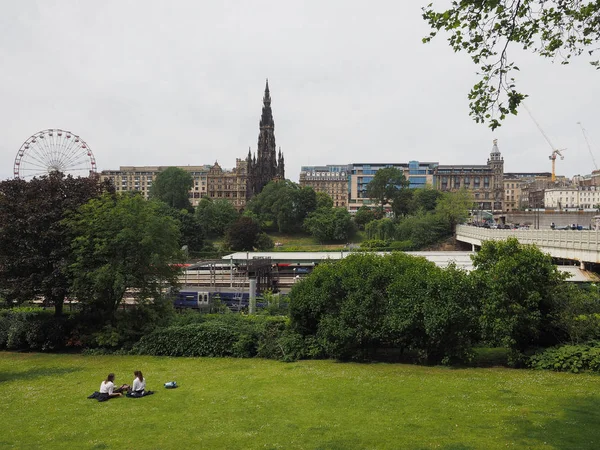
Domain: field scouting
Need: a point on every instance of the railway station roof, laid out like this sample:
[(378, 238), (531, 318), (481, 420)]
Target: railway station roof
[(441, 259)]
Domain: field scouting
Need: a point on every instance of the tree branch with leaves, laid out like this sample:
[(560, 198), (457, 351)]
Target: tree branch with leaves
[(485, 29)]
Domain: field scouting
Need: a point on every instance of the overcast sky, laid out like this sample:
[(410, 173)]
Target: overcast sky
[(181, 82)]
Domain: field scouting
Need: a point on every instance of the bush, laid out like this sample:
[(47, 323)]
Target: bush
[(294, 346), (217, 335), (569, 358), (364, 303), (33, 329), (203, 339), (264, 242)]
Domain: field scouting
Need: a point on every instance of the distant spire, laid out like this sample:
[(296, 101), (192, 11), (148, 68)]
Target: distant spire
[(266, 120)]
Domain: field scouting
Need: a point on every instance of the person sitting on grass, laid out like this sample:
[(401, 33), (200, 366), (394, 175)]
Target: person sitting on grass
[(107, 388), (139, 386)]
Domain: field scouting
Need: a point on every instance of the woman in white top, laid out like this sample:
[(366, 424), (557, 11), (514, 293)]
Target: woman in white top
[(139, 383), (107, 387)]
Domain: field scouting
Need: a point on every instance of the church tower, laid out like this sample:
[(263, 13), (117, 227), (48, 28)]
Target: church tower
[(496, 163), (267, 164)]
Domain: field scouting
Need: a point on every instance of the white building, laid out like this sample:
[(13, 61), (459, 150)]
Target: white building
[(584, 197)]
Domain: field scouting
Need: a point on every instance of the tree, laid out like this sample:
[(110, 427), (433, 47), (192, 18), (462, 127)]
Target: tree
[(454, 207), (363, 216), (426, 199), (403, 203), (330, 224), (366, 302), (556, 29), (215, 216), (382, 229), (423, 230), (282, 206), (324, 200), (264, 243), (243, 235), (34, 244), (172, 186), (386, 185), (192, 232), (518, 287), (122, 244)]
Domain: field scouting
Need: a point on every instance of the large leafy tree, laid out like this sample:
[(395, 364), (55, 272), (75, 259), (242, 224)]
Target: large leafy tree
[(243, 235), (366, 302), (425, 199), (330, 224), (122, 244), (215, 216), (386, 185), (363, 216), (454, 207), (192, 232), (283, 205), (485, 29), (34, 243), (518, 286), (172, 186)]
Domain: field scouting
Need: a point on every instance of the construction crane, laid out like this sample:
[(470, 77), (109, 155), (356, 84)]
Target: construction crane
[(587, 141), (555, 151), (553, 158)]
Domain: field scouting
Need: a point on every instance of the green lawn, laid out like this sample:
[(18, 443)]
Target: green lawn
[(252, 403)]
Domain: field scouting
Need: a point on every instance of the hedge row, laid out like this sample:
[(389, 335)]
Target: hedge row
[(569, 358), (219, 336)]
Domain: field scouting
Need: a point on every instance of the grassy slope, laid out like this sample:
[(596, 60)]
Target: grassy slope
[(305, 242), (229, 403)]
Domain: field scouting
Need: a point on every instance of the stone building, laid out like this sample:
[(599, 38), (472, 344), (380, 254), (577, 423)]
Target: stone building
[(572, 198), (484, 181), (209, 181), (266, 165), (228, 185), (330, 179), (140, 178), (518, 185)]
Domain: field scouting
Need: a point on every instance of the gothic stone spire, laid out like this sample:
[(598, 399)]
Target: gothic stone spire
[(266, 165)]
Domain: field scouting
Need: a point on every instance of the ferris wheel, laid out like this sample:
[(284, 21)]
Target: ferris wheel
[(54, 150)]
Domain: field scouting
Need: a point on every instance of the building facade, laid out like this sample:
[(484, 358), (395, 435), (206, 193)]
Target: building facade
[(266, 165), (484, 181), (418, 174), (572, 198), (209, 181), (518, 185), (330, 179)]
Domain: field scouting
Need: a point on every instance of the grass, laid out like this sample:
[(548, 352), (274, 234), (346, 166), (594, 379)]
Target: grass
[(305, 242), (252, 403)]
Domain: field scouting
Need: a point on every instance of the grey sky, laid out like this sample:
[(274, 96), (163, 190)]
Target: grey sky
[(181, 82)]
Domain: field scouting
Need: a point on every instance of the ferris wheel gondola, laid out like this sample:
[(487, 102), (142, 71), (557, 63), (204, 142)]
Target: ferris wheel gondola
[(54, 150)]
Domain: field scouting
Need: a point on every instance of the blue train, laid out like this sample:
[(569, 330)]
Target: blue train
[(188, 298)]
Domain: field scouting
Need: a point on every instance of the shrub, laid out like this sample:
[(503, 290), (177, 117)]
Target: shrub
[(569, 358), (32, 329), (294, 346), (357, 306), (203, 339), (217, 335)]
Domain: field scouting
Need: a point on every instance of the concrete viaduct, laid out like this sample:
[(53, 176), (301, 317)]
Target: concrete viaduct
[(582, 246)]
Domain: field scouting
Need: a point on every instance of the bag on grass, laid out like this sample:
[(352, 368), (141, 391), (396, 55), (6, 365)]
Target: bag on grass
[(171, 385)]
